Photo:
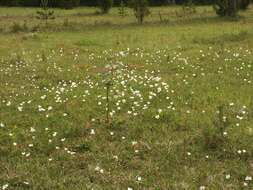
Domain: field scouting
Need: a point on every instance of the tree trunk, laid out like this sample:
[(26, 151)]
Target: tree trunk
[(232, 8)]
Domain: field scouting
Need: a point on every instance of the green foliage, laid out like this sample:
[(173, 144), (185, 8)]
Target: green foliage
[(45, 13), (140, 8), (226, 8), (105, 5)]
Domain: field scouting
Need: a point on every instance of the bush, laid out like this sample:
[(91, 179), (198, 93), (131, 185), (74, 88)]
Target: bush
[(105, 5), (140, 8), (17, 27), (226, 8), (230, 7)]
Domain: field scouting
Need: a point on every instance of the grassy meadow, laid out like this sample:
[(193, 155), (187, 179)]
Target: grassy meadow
[(90, 101)]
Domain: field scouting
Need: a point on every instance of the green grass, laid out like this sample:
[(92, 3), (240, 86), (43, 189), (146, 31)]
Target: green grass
[(180, 102)]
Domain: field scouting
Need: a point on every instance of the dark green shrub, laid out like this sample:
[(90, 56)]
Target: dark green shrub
[(105, 5), (141, 9), (226, 8)]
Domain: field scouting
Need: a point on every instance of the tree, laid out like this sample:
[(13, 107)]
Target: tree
[(140, 8), (122, 9), (232, 8), (45, 13), (105, 5)]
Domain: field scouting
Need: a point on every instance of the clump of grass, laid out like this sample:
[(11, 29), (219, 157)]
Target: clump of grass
[(82, 147), (31, 36), (17, 27)]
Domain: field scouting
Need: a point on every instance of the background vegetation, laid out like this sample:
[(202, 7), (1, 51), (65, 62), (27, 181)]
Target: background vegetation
[(93, 2)]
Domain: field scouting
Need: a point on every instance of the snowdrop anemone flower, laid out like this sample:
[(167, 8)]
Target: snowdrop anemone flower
[(92, 132), (157, 116), (248, 178), (139, 178), (5, 186), (32, 130), (2, 125)]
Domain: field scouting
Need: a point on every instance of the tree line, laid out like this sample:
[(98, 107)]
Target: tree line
[(73, 3), (222, 7)]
